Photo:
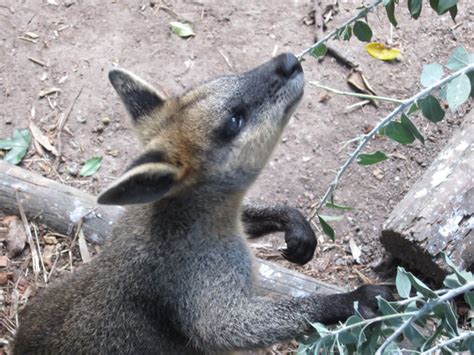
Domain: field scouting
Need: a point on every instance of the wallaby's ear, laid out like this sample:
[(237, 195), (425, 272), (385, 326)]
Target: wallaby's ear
[(139, 97), (142, 183)]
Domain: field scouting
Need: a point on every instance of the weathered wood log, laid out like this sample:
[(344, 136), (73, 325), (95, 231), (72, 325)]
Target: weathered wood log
[(437, 214), (61, 207)]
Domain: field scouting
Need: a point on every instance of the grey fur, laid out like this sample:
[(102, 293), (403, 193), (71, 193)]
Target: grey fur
[(176, 275)]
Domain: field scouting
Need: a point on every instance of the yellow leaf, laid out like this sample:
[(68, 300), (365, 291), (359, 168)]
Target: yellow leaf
[(379, 51)]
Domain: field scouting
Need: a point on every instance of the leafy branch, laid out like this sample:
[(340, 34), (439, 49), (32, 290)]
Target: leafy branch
[(402, 320), (337, 31), (406, 104)]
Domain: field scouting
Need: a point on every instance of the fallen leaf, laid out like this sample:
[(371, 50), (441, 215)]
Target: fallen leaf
[(358, 81), (183, 30), (3, 261), (379, 51), (378, 173), (17, 145), (16, 236), (48, 251), (91, 166), (355, 250), (4, 277), (41, 139), (50, 239)]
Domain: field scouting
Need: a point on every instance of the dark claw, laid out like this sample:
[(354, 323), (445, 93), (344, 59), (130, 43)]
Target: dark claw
[(367, 297)]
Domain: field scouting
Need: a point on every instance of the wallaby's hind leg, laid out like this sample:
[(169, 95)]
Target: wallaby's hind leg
[(300, 239)]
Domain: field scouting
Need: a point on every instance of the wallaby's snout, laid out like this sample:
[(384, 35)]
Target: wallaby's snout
[(288, 65)]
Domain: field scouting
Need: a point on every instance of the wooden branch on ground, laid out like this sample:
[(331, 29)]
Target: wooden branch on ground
[(61, 207), (437, 214)]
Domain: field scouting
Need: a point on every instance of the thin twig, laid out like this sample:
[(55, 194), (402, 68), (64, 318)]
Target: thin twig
[(464, 335), (45, 274), (428, 307), (328, 36), (34, 252), (62, 122), (355, 94), (406, 103)]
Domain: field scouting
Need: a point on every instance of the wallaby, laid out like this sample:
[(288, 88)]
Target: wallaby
[(176, 275)]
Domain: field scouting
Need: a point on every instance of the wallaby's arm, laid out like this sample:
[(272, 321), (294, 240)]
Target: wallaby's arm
[(233, 321), (299, 236)]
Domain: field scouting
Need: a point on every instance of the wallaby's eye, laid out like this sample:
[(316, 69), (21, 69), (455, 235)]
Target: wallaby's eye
[(233, 125)]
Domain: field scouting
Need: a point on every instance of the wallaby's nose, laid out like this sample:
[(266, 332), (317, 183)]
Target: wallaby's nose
[(287, 64)]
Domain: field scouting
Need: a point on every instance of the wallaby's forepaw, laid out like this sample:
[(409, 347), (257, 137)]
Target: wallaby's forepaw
[(300, 239), (367, 297)]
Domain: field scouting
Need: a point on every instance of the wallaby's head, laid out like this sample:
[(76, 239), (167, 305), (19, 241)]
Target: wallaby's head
[(219, 134)]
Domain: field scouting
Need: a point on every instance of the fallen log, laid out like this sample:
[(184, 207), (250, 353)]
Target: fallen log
[(437, 214), (61, 207)]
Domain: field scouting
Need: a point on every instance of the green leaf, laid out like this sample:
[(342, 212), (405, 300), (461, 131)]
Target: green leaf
[(374, 158), (449, 320), (414, 336), (387, 309), (338, 207), (470, 75), (390, 8), (345, 33), (362, 31), (413, 108), (443, 92), (408, 124), (319, 51), (419, 285), (469, 298), (431, 109), (459, 59), (431, 74), (402, 283), (414, 6), (451, 281), (91, 166), (453, 12), (398, 133), (17, 145), (183, 30), (458, 91), (445, 5), (327, 229), (462, 275), (331, 218)]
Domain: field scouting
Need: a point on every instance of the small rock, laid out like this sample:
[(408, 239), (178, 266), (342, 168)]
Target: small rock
[(68, 3), (73, 169), (81, 119), (106, 120), (98, 129)]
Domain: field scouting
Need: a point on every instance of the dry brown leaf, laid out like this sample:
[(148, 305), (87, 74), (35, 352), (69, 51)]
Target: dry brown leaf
[(48, 251), (42, 139), (16, 237), (4, 277), (3, 261), (357, 80)]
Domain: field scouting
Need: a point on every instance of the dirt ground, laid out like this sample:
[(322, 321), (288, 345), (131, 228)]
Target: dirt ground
[(78, 42)]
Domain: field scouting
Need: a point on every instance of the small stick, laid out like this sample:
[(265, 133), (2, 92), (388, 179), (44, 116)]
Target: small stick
[(37, 61), (45, 274), (226, 60), (62, 122), (34, 252)]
